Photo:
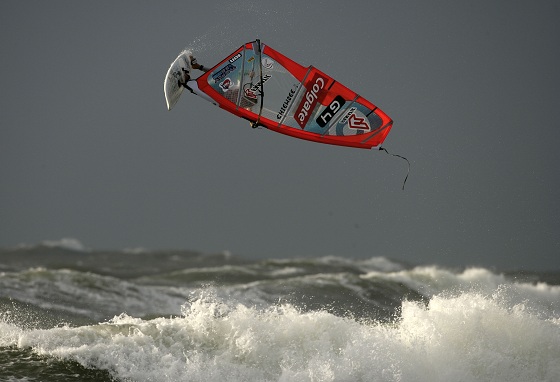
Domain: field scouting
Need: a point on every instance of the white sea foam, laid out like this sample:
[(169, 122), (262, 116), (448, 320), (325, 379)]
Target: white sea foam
[(432, 280), (9, 333), (469, 337), (66, 243)]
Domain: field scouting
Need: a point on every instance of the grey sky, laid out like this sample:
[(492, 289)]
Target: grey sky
[(89, 151)]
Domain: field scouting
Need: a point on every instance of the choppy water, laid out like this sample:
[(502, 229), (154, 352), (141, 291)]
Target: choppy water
[(71, 314)]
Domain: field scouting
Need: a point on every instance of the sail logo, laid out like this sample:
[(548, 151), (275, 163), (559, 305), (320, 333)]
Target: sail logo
[(235, 58), (267, 63), (226, 84), (250, 94), (348, 115), (257, 88), (287, 101), (309, 100), (330, 111), (358, 123), (222, 73)]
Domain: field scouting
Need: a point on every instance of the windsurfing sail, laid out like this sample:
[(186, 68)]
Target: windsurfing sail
[(269, 89)]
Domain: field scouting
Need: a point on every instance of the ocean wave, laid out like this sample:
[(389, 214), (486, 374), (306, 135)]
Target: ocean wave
[(432, 280), (68, 243), (178, 315), (90, 295), (469, 337)]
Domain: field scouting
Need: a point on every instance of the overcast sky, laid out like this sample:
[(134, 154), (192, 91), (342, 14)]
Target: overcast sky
[(89, 151)]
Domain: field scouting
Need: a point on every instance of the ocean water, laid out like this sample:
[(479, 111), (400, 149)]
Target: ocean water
[(72, 314)]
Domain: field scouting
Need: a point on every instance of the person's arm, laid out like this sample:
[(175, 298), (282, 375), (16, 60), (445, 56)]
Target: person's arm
[(200, 67), (196, 65)]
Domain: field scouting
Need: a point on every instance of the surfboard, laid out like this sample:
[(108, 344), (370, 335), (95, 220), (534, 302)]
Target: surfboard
[(174, 76)]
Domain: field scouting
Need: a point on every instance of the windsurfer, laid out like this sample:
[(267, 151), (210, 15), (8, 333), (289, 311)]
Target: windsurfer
[(187, 75)]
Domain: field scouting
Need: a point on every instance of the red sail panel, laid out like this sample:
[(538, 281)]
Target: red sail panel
[(299, 101)]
